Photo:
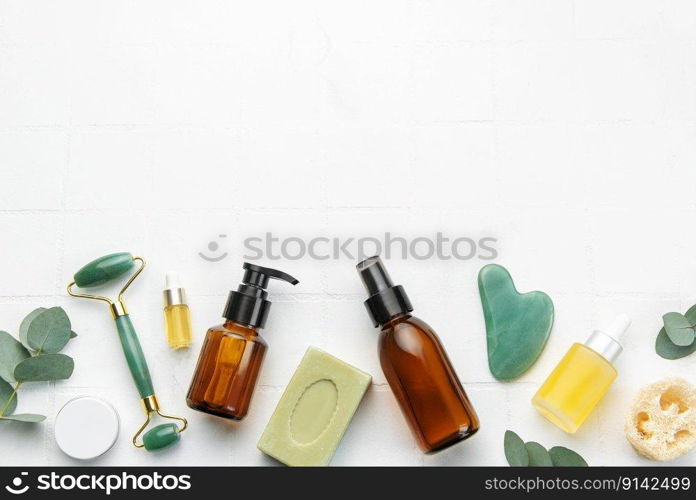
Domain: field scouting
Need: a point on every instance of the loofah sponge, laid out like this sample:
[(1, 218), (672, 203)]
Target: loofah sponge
[(661, 422)]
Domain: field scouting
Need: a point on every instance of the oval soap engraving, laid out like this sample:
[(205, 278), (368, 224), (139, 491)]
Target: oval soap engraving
[(313, 411)]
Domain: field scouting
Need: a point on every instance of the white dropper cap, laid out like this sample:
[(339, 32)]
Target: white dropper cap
[(606, 342), (172, 280)]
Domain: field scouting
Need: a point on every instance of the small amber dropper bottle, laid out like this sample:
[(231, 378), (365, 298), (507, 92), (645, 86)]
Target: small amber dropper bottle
[(177, 317)]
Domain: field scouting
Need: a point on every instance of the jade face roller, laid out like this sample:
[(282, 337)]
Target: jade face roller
[(98, 272)]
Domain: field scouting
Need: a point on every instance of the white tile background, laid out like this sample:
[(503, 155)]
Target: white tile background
[(566, 129)]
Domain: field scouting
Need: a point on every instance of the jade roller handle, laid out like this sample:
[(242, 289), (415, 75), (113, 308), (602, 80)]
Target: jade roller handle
[(134, 356)]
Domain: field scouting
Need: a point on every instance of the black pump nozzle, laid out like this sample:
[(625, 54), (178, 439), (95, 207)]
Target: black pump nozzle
[(259, 276), (373, 275), (248, 305), (386, 300)]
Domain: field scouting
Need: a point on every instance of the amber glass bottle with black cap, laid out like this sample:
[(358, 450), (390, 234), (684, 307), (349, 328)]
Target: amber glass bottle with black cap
[(232, 353), (416, 365)]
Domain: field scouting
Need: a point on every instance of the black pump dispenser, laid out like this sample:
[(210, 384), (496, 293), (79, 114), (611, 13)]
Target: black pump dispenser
[(248, 305), (386, 300)]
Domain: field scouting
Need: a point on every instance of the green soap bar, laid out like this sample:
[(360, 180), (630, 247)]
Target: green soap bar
[(104, 269), (314, 411), (161, 436)]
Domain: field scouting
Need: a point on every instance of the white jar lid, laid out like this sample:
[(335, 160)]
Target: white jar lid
[(86, 427)]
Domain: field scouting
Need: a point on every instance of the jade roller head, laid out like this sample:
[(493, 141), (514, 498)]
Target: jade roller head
[(99, 272)]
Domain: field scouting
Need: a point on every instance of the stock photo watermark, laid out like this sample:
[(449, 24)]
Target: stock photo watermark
[(438, 246)]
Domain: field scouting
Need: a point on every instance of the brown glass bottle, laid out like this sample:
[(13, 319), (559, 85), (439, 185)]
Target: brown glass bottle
[(227, 369), (232, 353), (416, 365), (425, 384)]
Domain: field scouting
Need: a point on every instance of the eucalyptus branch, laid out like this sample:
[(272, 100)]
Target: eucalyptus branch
[(33, 358)]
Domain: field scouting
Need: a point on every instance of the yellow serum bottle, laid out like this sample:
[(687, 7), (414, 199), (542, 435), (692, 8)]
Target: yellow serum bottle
[(177, 317), (581, 378)]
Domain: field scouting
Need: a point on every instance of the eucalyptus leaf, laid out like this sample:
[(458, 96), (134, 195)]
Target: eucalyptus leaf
[(73, 335), (44, 368), (563, 457), (25, 417), (6, 390), (679, 329), (12, 352), (24, 326), (538, 456), (49, 331), (515, 450), (666, 349)]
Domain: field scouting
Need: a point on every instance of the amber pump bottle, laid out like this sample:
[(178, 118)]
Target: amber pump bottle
[(232, 353), (416, 365)]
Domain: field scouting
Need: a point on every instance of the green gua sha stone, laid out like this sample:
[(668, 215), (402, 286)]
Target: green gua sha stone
[(517, 324)]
